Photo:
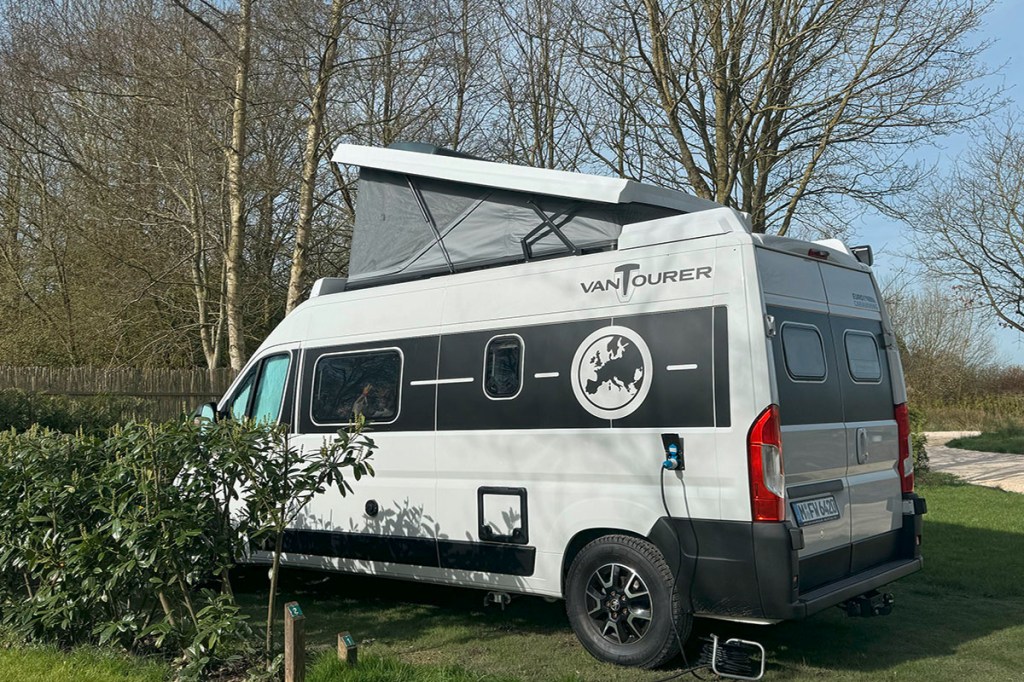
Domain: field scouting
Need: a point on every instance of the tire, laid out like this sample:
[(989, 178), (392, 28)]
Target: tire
[(618, 619)]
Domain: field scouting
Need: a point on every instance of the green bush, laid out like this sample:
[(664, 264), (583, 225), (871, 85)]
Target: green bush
[(94, 415), (116, 539)]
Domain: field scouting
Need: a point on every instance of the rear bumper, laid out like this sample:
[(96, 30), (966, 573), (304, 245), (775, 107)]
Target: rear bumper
[(848, 588), (752, 570)]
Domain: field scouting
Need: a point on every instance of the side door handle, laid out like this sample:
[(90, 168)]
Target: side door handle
[(862, 446)]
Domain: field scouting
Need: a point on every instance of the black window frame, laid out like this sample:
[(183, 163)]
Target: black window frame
[(362, 351), (802, 378), (878, 356), (522, 366)]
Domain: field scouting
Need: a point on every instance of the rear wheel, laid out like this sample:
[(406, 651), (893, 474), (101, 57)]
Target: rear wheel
[(621, 602)]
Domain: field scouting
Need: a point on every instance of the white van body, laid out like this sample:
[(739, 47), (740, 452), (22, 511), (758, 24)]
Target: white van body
[(501, 489)]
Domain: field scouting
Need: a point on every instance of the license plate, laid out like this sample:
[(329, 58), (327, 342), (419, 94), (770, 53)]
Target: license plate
[(818, 510)]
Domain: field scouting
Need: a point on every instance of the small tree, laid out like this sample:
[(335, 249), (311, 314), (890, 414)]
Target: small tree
[(277, 480)]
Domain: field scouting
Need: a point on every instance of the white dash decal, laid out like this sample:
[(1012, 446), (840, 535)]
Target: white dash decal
[(679, 368), (546, 375), (438, 382)]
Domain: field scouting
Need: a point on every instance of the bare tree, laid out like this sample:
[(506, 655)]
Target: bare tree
[(534, 65), (970, 225), (236, 191), (944, 335), (312, 155), (787, 110)]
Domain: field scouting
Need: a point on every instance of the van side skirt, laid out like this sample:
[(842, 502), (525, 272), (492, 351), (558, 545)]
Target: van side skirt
[(413, 551)]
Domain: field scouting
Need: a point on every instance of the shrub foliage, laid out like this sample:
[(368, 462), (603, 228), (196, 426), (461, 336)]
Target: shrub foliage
[(95, 415), (127, 538)]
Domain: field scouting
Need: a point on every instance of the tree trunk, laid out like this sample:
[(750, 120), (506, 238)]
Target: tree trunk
[(236, 196), (275, 569), (311, 157)]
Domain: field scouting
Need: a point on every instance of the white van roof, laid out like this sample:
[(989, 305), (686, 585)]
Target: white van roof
[(579, 186)]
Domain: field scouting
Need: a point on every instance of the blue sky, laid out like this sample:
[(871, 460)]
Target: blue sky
[(1005, 27)]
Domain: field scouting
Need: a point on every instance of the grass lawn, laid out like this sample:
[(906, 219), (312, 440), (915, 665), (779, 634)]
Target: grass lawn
[(1008, 439), (46, 664), (961, 618)]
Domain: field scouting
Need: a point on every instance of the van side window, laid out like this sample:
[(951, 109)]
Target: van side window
[(805, 355), (266, 404), (503, 367), (239, 403), (349, 384), (862, 357)]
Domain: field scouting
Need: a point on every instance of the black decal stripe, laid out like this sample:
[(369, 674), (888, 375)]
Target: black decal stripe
[(720, 345), (862, 401), (362, 546), (676, 399), (681, 398), (487, 557), (468, 556), (807, 402)]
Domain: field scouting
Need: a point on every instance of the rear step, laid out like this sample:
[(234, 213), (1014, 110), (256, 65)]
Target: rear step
[(873, 603), (852, 587)]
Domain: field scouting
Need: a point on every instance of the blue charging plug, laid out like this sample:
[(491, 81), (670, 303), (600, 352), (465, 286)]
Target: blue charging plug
[(673, 445), (672, 460)]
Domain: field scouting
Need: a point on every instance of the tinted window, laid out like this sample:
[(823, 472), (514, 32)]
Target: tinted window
[(805, 356), (356, 383), (266, 405), (862, 357), (503, 363), (241, 399)]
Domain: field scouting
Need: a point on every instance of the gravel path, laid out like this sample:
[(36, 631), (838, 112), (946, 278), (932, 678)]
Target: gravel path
[(992, 469)]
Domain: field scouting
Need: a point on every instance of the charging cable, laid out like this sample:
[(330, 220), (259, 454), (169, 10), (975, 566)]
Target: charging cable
[(673, 462)]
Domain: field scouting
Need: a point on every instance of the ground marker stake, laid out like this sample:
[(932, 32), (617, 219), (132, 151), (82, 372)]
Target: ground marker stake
[(348, 650), (294, 643)]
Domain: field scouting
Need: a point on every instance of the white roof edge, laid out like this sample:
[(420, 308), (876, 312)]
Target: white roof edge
[(838, 249), (678, 228), (567, 184)]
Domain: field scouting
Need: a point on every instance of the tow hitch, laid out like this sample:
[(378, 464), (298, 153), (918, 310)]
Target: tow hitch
[(873, 603)]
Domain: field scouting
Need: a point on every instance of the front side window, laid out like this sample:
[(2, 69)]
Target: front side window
[(266, 405), (862, 357), (503, 367), (350, 384), (241, 400), (805, 355)]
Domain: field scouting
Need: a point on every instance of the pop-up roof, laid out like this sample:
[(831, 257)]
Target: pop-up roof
[(422, 211)]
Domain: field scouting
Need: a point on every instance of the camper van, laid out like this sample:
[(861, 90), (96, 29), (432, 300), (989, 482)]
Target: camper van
[(602, 391)]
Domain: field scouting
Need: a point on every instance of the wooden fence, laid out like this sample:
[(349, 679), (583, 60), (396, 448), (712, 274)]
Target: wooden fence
[(169, 391)]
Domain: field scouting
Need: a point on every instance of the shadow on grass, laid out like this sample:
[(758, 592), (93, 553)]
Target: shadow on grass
[(393, 611), (970, 588)]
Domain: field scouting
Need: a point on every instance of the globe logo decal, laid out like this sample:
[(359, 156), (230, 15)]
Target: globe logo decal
[(612, 372)]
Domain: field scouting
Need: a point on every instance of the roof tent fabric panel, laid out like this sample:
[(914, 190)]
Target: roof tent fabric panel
[(390, 227), (478, 225)]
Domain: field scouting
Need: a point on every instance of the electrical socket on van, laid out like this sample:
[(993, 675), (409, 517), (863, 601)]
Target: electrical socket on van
[(673, 445)]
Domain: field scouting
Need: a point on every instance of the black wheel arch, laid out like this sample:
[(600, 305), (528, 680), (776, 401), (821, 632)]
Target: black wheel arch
[(583, 538)]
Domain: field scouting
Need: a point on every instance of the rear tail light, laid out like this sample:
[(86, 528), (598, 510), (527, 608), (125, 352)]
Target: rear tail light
[(764, 455), (905, 466)]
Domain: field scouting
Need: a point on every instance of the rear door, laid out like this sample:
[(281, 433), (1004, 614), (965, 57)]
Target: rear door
[(814, 440), (868, 414), (811, 410)]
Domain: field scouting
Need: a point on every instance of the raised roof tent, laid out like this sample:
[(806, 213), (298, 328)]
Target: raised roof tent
[(423, 211)]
